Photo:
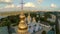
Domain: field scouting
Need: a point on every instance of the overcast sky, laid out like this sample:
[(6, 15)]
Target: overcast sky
[(15, 5)]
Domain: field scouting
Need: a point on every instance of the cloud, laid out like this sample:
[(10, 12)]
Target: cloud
[(5, 0), (1, 8), (10, 6), (18, 6), (26, 5), (58, 10), (53, 5), (39, 0), (29, 4)]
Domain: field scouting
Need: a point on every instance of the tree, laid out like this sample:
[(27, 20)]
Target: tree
[(57, 24), (46, 15), (44, 32)]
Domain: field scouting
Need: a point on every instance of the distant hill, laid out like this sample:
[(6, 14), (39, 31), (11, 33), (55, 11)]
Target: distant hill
[(8, 13)]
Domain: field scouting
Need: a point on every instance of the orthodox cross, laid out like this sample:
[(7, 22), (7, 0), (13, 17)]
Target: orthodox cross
[(22, 4)]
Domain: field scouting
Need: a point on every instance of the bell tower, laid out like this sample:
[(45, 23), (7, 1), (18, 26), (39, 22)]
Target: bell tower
[(22, 27), (29, 18)]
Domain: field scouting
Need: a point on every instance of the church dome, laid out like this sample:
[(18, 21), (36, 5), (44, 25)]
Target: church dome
[(22, 25)]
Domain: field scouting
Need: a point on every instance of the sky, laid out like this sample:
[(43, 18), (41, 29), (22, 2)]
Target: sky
[(40, 5)]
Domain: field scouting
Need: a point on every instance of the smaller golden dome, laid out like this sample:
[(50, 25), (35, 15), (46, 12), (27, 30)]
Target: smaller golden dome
[(22, 13), (34, 19), (22, 16), (22, 27), (29, 17)]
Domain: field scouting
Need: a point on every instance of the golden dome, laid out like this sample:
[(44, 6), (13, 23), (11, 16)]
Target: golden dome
[(22, 16), (29, 17), (29, 14), (22, 25), (34, 20)]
